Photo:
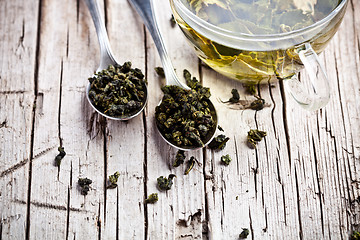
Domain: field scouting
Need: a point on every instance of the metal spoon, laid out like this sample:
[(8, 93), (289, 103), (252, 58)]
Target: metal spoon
[(145, 10), (106, 56)]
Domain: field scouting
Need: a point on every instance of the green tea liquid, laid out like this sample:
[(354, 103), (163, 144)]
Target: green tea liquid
[(251, 63)]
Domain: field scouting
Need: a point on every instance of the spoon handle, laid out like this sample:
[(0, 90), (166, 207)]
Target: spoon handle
[(106, 55), (145, 10)]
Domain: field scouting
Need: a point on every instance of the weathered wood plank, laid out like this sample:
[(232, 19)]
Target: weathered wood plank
[(256, 189), (302, 181), (67, 56), (18, 43), (325, 144), (295, 194), (180, 211), (125, 213)]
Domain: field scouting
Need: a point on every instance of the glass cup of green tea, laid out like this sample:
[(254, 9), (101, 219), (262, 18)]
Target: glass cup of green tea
[(260, 41)]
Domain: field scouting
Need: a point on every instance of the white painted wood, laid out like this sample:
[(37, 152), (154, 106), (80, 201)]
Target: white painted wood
[(67, 56), (18, 27), (124, 213), (302, 181), (166, 218)]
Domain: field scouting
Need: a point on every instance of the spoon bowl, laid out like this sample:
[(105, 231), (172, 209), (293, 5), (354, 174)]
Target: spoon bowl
[(207, 139), (145, 9), (107, 58)]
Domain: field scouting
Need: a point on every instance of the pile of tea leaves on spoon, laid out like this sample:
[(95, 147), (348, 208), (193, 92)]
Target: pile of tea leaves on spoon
[(184, 116), (118, 91)]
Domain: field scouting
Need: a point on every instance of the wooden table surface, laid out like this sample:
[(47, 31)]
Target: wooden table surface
[(302, 182)]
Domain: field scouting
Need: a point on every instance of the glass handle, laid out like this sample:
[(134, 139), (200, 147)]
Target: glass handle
[(311, 93)]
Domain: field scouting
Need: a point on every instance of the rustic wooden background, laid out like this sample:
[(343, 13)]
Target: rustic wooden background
[(301, 183)]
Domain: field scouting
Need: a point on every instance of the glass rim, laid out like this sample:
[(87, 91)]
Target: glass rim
[(255, 37)]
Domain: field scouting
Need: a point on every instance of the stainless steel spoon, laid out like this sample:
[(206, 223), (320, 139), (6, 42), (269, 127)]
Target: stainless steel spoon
[(145, 10), (106, 55)]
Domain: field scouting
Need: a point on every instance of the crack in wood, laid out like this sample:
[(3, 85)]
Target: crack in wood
[(285, 121), (77, 11), (98, 222), (117, 213), (59, 110), (13, 168), (318, 185), (67, 43), (13, 92), (222, 198), (298, 205), (95, 125), (266, 221), (36, 76), (205, 232), (273, 110), (105, 152), (68, 214), (20, 46), (251, 225), (60, 101), (50, 206), (146, 218), (43, 152), (284, 203), (237, 157)]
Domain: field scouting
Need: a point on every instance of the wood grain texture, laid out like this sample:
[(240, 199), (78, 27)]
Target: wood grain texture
[(18, 44), (302, 181)]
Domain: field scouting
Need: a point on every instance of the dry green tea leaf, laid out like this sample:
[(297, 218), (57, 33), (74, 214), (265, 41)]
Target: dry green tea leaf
[(190, 165), (84, 184), (113, 180), (152, 198), (165, 183), (255, 136), (184, 117), (225, 159), (60, 156), (219, 142), (245, 232), (179, 158), (118, 91)]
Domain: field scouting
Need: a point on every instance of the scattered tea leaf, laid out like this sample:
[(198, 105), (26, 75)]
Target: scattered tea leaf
[(118, 91), (225, 159), (84, 184), (219, 142), (160, 72), (172, 21), (245, 232), (247, 104), (3, 124), (258, 104), (220, 128), (165, 183), (60, 156), (190, 165), (113, 180), (235, 96), (254, 137), (152, 198), (179, 158)]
